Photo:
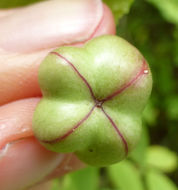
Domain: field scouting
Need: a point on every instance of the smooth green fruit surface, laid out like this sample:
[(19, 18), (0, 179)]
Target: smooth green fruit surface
[(92, 101)]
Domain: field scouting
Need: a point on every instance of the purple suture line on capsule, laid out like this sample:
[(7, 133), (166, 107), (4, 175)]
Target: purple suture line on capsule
[(127, 85), (73, 128), (99, 103), (117, 130), (79, 74)]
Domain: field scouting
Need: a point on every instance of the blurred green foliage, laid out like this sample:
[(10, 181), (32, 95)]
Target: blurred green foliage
[(158, 181), (168, 9), (125, 176), (86, 179), (16, 3), (161, 158), (119, 8), (152, 26)]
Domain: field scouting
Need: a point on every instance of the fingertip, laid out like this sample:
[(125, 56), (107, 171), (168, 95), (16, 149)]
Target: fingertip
[(70, 164), (16, 120), (25, 163), (107, 24), (59, 23)]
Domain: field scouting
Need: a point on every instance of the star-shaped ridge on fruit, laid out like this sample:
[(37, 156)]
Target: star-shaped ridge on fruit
[(104, 104)]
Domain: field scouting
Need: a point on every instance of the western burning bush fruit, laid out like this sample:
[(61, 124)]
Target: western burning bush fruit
[(92, 101)]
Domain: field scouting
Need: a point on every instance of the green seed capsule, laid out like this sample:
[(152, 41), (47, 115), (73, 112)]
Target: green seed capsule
[(92, 101)]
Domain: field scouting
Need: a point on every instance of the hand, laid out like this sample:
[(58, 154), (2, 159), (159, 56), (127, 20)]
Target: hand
[(27, 35)]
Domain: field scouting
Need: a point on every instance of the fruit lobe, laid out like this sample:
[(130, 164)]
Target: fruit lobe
[(92, 101)]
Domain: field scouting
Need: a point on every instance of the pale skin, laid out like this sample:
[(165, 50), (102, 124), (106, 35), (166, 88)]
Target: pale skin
[(27, 35)]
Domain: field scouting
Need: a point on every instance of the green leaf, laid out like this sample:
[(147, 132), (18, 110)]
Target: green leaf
[(159, 181), (139, 153), (176, 46), (55, 185), (125, 176), (150, 114), (119, 7), (162, 158), (168, 8), (15, 3), (85, 179), (172, 107)]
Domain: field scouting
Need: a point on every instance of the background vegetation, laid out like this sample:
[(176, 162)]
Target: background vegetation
[(152, 26)]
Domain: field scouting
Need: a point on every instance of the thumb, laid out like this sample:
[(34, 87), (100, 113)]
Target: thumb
[(52, 23)]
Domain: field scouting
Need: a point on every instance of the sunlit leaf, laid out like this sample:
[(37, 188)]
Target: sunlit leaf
[(159, 181), (119, 7), (139, 153), (162, 158), (168, 8), (85, 179), (125, 176)]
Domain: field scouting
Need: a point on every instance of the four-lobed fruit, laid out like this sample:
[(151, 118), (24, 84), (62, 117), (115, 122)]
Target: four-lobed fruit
[(92, 101)]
